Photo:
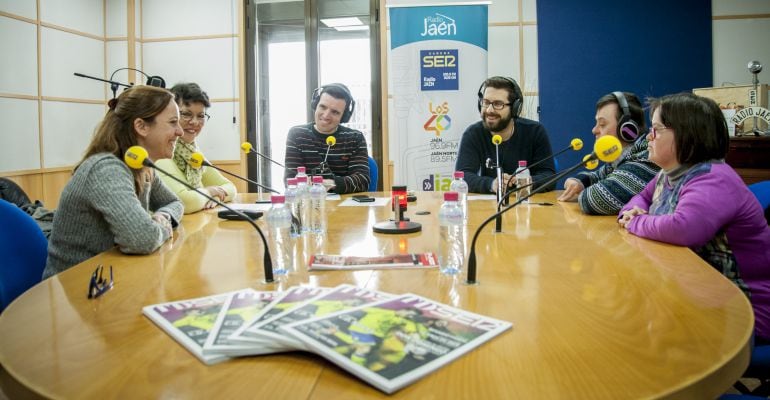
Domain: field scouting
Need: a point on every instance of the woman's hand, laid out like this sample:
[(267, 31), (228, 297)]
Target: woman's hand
[(164, 220), (628, 215)]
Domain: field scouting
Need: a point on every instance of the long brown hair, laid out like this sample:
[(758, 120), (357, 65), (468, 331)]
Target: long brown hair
[(115, 134)]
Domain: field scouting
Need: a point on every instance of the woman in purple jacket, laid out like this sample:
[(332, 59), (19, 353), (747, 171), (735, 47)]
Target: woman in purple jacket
[(698, 201)]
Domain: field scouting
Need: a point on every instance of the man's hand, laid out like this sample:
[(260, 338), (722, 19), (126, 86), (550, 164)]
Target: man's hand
[(506, 179), (329, 184), (572, 189)]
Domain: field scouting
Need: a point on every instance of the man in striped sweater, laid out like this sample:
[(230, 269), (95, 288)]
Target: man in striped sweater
[(606, 190), (346, 167)]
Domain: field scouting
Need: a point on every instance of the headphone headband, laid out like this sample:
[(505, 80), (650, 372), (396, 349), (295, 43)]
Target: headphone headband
[(516, 99), (350, 104)]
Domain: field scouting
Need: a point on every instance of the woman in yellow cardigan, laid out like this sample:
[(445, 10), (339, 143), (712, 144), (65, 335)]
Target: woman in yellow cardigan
[(193, 102)]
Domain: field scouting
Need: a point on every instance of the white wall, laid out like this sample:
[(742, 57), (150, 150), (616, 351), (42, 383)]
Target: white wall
[(199, 44), (741, 33), (49, 115), (45, 109)]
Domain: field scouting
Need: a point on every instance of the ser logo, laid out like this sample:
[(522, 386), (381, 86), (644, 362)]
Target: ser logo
[(439, 120)]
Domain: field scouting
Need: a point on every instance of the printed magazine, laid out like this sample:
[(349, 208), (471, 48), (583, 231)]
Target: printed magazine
[(343, 297), (240, 307), (394, 261), (393, 343), (189, 322), (290, 299)]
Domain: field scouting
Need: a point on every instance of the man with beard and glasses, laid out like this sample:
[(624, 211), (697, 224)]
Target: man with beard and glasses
[(500, 102)]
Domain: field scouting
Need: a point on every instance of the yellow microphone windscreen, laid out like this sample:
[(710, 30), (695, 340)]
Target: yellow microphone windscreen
[(589, 162), (246, 147), (608, 148), (576, 144), (497, 139), (331, 140), (196, 160), (135, 156)]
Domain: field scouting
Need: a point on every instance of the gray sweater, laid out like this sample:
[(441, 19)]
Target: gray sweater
[(99, 209)]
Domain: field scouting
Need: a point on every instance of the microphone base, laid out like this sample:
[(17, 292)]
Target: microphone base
[(396, 227), (469, 283)]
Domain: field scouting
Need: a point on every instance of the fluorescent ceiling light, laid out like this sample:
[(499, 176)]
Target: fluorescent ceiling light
[(352, 28), (345, 21)]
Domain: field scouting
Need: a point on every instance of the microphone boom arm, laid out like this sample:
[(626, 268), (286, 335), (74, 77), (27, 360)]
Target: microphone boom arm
[(268, 262), (208, 164), (471, 277)]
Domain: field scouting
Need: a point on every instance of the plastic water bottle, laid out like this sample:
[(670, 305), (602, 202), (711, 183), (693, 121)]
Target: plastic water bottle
[(302, 201), (292, 204), (302, 176), (317, 220), (451, 247), (461, 187), (523, 178), (281, 243)]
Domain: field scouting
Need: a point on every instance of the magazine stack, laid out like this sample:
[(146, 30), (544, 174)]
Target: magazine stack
[(389, 341)]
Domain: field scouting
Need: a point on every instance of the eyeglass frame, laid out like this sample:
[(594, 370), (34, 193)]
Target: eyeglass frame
[(97, 285), (188, 117), (654, 132), (496, 105)]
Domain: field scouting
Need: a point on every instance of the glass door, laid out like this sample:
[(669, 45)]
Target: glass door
[(294, 47)]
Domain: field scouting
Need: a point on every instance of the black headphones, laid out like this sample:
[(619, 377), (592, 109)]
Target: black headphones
[(350, 104), (516, 101), (156, 81), (628, 130)]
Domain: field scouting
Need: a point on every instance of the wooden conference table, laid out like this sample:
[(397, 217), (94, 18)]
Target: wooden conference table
[(598, 314)]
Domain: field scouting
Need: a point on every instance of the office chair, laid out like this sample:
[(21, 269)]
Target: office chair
[(23, 249), (373, 175)]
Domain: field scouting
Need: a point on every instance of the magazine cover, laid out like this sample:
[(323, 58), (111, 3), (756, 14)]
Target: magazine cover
[(394, 261), (393, 343), (240, 307), (291, 298), (343, 297), (189, 322)]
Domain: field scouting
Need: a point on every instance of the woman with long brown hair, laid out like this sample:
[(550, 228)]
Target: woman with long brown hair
[(108, 204)]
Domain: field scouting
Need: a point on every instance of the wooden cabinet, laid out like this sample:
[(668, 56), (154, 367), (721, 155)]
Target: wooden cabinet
[(750, 157)]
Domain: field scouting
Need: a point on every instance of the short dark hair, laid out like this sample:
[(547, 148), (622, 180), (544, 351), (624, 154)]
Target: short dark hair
[(187, 93), (700, 130), (499, 82), (634, 107), (338, 91)]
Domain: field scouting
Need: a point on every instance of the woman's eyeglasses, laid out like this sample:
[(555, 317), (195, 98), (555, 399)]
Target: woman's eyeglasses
[(98, 284), (655, 131), (187, 116)]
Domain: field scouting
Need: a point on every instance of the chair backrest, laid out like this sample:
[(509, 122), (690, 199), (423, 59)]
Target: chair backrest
[(23, 251), (762, 191), (373, 175)]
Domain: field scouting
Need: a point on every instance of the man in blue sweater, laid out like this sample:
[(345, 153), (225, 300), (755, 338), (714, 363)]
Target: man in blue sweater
[(500, 102)]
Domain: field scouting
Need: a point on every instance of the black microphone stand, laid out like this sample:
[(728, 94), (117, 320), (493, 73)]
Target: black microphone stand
[(267, 260), (208, 164), (113, 84), (471, 279), (251, 150)]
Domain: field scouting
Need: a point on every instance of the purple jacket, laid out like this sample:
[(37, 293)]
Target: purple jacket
[(709, 203)]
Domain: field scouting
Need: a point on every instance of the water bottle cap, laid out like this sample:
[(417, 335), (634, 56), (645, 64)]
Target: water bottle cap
[(451, 196), (292, 181), (522, 163), (459, 174), (278, 199), (300, 170), (318, 179)]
